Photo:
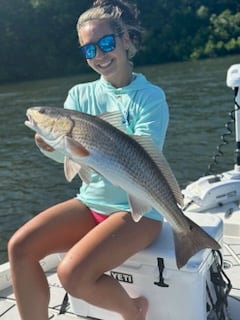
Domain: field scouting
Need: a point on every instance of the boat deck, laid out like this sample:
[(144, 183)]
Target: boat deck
[(8, 308), (231, 266), (232, 270)]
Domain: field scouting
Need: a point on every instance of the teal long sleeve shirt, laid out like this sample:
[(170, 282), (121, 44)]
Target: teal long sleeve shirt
[(144, 112)]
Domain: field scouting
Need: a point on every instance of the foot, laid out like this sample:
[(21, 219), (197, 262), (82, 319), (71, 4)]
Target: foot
[(142, 306)]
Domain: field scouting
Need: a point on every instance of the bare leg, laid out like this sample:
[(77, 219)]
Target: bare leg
[(103, 248), (56, 229)]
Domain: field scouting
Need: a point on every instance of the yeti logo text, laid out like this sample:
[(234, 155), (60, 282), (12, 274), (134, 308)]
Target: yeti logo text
[(123, 277)]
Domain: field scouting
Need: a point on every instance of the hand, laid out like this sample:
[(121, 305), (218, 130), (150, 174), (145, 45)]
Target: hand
[(42, 144)]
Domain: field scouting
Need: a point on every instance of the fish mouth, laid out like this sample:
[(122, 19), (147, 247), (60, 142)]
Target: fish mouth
[(30, 122)]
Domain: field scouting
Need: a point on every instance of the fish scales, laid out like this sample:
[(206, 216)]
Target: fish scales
[(118, 153), (93, 143)]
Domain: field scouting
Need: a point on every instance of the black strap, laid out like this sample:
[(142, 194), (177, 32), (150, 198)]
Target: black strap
[(64, 305), (222, 286)]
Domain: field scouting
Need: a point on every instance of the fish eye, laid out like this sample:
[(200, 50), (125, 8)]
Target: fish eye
[(41, 110)]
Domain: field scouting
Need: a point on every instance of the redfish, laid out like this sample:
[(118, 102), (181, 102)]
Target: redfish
[(133, 163)]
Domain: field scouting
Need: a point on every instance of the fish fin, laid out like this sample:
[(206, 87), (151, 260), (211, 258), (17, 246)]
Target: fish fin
[(190, 242), (75, 147), (160, 160), (85, 174), (138, 207), (71, 169), (114, 118)]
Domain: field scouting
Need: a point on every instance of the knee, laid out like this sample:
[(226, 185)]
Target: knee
[(67, 277), (14, 247), (18, 246), (74, 279)]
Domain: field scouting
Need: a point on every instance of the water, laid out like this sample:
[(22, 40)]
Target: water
[(29, 182)]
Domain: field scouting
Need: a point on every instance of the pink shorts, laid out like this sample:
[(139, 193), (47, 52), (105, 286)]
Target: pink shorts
[(98, 217)]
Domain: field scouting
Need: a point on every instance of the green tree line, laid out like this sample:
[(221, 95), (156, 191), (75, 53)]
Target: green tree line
[(38, 38)]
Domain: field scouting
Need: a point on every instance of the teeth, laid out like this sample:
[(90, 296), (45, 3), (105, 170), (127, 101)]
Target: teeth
[(104, 65)]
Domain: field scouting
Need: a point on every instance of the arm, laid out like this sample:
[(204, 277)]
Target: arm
[(153, 117)]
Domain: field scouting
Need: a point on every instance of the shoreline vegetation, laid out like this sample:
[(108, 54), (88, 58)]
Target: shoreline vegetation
[(38, 37)]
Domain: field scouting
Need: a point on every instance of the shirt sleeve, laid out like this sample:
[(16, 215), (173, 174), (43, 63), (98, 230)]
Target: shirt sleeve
[(72, 102), (153, 117)]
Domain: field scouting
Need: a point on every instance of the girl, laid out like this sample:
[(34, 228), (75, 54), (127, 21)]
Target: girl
[(95, 229)]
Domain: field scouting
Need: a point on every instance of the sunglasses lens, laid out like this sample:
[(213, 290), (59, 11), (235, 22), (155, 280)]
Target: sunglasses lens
[(107, 43), (88, 51)]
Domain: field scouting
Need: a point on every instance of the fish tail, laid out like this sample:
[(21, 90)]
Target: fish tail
[(190, 242)]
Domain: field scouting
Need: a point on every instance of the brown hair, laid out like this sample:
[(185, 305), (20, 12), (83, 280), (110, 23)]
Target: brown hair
[(121, 15)]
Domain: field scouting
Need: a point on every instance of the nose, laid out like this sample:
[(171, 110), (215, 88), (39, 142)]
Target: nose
[(99, 53)]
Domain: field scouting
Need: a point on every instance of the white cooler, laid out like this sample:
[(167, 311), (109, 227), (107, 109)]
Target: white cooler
[(172, 294)]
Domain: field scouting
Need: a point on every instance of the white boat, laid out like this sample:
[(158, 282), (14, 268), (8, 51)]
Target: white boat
[(207, 288)]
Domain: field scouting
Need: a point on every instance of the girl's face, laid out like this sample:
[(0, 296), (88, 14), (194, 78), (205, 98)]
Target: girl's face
[(114, 65)]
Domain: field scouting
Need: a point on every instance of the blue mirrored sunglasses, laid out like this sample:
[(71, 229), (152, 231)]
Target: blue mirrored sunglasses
[(105, 44)]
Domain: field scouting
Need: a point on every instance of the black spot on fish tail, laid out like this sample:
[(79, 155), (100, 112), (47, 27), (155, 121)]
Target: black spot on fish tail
[(191, 241)]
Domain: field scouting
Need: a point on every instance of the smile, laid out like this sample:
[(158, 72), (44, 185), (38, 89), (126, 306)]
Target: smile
[(105, 65)]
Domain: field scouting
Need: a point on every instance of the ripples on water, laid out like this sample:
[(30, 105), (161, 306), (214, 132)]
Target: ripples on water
[(199, 104), (29, 181)]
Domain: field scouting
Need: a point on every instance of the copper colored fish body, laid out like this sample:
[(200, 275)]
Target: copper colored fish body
[(132, 162)]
